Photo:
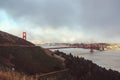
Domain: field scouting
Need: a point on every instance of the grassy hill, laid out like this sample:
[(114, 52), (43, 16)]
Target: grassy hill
[(28, 59), (7, 39), (25, 57), (11, 75)]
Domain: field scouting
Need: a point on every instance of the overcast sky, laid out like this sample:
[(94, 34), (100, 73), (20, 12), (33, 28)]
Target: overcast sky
[(62, 20)]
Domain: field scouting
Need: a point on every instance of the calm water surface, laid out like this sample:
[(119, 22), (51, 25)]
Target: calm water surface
[(107, 59)]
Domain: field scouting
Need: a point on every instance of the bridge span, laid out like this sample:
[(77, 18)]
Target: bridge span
[(91, 47)]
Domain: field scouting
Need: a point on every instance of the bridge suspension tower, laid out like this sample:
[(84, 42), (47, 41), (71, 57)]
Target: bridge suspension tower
[(24, 35)]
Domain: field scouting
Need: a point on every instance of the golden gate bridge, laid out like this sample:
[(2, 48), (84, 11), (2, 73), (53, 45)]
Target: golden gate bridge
[(92, 46)]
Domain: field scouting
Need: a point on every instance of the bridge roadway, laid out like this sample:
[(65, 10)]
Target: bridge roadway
[(84, 47)]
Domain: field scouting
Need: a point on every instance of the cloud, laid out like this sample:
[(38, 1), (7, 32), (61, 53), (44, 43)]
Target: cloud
[(43, 12), (102, 16), (91, 18)]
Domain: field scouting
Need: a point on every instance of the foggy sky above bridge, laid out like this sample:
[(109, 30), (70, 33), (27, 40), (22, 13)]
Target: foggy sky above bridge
[(62, 20)]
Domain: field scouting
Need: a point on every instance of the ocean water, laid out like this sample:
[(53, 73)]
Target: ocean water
[(108, 59)]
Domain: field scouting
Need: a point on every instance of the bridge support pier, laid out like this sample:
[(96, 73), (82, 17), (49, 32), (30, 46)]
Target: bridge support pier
[(91, 50), (101, 47)]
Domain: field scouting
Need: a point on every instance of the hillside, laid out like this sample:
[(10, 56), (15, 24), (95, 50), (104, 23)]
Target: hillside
[(25, 56), (12, 75), (7, 39)]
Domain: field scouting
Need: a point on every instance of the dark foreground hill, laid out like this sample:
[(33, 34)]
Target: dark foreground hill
[(21, 55), (28, 59)]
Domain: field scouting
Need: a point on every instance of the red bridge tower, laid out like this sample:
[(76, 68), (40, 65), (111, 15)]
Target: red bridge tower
[(24, 35)]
